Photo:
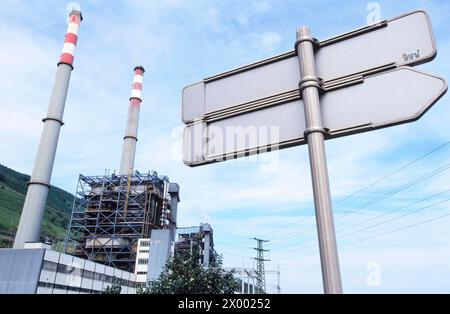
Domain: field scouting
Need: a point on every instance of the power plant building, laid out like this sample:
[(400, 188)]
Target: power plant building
[(200, 238), (113, 213), (122, 225), (39, 270)]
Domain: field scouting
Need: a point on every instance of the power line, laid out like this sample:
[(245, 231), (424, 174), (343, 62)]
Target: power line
[(394, 210), (376, 199), (293, 234), (373, 183), (375, 225), (377, 235), (400, 229), (231, 235), (395, 218), (393, 172), (234, 254), (290, 225), (379, 216), (231, 244), (399, 189)]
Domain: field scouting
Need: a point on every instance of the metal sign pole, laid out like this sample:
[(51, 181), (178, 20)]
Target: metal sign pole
[(310, 86)]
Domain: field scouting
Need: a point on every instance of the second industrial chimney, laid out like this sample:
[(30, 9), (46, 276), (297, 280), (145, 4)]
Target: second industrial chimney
[(130, 139)]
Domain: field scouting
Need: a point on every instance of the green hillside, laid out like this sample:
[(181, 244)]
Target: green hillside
[(13, 187)]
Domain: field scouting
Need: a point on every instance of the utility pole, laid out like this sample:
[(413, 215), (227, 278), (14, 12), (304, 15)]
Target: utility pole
[(260, 272), (310, 86)]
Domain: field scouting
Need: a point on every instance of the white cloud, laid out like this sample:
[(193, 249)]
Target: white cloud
[(178, 42)]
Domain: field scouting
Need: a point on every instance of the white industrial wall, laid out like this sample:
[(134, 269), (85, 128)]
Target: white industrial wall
[(62, 278), (143, 253), (98, 284), (48, 276), (109, 272), (88, 275), (20, 270), (48, 272), (133, 278)]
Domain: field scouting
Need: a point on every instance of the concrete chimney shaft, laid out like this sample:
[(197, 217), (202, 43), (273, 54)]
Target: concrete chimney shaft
[(131, 133), (39, 185)]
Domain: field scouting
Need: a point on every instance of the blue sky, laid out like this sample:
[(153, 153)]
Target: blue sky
[(181, 42)]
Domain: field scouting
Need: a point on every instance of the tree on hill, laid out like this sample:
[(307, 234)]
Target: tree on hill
[(184, 274)]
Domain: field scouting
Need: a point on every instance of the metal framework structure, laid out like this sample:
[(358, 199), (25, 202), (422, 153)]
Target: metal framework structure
[(247, 278), (111, 213), (190, 237), (260, 273)]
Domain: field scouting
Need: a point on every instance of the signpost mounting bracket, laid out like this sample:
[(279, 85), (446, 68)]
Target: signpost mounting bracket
[(324, 131), (311, 81), (315, 42)]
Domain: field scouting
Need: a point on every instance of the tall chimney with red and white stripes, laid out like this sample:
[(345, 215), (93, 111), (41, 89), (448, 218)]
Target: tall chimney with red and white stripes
[(130, 140), (39, 185)]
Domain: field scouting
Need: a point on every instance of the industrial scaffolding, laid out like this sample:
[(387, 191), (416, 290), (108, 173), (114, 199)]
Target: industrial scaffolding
[(112, 212)]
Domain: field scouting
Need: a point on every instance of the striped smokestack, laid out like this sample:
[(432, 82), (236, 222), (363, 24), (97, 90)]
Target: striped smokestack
[(39, 185), (130, 139), (71, 39)]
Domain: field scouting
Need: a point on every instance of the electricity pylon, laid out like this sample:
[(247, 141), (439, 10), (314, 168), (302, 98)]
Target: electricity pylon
[(260, 273)]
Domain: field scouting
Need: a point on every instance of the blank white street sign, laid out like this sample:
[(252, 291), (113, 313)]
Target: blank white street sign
[(405, 40), (379, 100), (352, 83)]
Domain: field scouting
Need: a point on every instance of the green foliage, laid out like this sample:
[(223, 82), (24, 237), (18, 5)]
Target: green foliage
[(13, 187), (115, 288), (184, 274)]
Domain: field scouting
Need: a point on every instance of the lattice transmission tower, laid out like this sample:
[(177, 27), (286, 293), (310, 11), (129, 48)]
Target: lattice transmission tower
[(260, 272)]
